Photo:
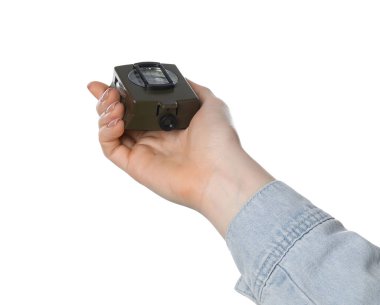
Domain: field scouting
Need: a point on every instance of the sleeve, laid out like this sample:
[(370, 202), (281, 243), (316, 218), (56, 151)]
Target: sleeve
[(289, 252)]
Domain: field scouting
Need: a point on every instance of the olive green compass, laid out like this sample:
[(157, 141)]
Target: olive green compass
[(156, 96)]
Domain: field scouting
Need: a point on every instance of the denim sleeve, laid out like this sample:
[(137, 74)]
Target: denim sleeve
[(289, 252)]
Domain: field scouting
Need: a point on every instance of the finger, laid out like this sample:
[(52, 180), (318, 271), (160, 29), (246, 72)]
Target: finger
[(136, 134), (97, 88), (109, 97), (110, 141), (204, 93), (106, 95), (128, 141), (113, 111)]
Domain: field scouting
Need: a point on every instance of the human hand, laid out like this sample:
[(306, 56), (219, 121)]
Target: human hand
[(202, 167)]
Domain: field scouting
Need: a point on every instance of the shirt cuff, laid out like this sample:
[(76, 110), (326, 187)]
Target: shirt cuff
[(265, 229)]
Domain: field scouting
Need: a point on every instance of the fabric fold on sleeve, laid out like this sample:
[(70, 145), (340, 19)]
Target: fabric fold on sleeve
[(265, 229)]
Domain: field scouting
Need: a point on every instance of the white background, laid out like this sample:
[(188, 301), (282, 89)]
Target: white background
[(302, 82)]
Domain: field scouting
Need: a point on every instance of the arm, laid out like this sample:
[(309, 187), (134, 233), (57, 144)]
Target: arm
[(290, 252), (287, 250), (204, 166)]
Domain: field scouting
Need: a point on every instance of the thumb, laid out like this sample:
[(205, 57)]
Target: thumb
[(204, 93)]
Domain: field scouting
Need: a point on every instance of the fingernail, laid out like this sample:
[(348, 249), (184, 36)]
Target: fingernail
[(111, 107), (104, 95), (113, 123)]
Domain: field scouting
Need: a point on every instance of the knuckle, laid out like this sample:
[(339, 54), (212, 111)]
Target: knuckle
[(105, 151), (104, 148), (98, 108), (207, 89)]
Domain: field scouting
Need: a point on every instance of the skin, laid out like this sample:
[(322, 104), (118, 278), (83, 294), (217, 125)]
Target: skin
[(203, 167)]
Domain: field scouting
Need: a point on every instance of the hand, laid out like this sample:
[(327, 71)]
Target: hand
[(202, 167)]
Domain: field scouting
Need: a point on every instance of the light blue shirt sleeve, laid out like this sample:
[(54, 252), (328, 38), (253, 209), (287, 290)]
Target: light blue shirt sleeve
[(289, 252)]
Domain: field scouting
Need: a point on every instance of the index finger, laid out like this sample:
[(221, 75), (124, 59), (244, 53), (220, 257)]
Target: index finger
[(97, 88)]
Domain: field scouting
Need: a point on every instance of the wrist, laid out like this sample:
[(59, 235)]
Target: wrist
[(230, 187)]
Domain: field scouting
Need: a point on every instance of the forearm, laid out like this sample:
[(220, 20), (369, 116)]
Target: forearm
[(233, 183), (290, 252)]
